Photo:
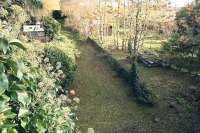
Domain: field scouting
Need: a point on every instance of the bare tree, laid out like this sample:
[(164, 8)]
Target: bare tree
[(100, 23), (124, 25), (118, 23), (138, 25)]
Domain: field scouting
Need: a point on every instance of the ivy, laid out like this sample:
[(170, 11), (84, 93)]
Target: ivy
[(15, 87)]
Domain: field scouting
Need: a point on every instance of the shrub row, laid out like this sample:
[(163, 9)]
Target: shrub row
[(143, 95), (68, 65)]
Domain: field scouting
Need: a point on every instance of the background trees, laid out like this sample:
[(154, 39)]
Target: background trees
[(79, 14), (183, 47)]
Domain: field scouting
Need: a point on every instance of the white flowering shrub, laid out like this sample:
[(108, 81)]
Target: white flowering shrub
[(29, 85), (59, 116), (48, 112), (3, 13), (59, 65), (57, 113), (18, 16), (53, 72), (17, 19)]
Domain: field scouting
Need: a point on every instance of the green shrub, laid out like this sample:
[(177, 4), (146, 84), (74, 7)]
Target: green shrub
[(16, 13), (52, 27), (55, 114), (182, 49), (56, 55), (146, 96), (28, 97), (143, 95), (16, 87)]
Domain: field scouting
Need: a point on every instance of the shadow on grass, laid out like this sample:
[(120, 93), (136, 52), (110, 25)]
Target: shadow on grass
[(73, 34)]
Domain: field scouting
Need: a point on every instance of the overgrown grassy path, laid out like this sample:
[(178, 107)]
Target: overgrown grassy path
[(106, 104)]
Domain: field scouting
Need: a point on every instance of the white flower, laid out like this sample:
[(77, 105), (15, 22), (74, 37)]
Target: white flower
[(76, 100), (59, 87), (60, 72), (40, 84), (52, 74), (58, 65), (41, 56), (68, 100), (50, 68), (49, 65), (63, 97), (46, 60), (91, 130), (39, 60)]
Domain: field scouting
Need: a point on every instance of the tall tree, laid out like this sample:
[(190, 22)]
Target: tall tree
[(138, 25), (118, 22)]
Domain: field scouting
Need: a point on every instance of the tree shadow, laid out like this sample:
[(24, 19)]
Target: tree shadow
[(73, 34)]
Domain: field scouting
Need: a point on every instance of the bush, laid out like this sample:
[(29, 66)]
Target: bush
[(49, 111), (52, 27), (182, 50), (146, 96), (16, 87), (16, 13), (68, 66), (143, 95)]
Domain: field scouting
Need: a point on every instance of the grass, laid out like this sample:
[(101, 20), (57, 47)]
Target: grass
[(153, 44), (107, 106)]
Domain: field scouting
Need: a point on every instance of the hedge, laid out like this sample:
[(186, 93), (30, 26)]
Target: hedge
[(68, 65), (143, 95)]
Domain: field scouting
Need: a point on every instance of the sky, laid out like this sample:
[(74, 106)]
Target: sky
[(180, 3)]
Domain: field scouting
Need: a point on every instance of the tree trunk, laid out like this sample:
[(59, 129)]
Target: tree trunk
[(118, 23), (124, 27)]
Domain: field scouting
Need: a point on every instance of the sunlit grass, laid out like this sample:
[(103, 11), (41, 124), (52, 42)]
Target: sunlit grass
[(152, 44)]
